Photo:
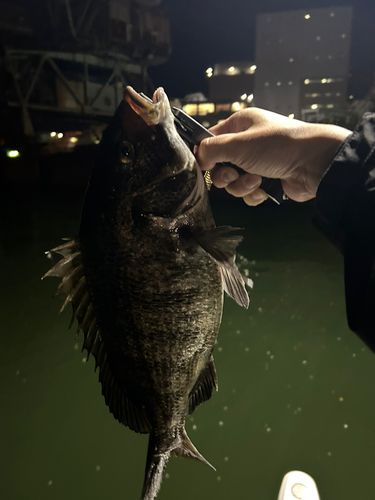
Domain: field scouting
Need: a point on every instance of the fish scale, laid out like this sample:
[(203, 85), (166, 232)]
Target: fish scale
[(146, 277)]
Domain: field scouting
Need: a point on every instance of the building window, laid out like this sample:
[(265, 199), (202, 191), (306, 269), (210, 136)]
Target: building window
[(266, 84), (318, 38), (222, 107), (307, 81), (290, 83), (332, 14), (237, 106), (330, 106), (291, 59), (278, 84), (307, 16), (314, 106), (191, 109), (343, 35)]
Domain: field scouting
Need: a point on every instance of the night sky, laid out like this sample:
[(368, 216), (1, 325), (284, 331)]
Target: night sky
[(205, 32)]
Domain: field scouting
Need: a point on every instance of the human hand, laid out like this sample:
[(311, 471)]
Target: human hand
[(265, 144)]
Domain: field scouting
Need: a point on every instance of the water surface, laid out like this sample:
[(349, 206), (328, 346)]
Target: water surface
[(296, 386)]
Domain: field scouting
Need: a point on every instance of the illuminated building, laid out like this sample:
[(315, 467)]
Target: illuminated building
[(302, 61), (228, 82)]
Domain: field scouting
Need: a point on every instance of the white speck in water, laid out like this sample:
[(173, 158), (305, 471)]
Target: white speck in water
[(17, 372), (304, 362), (247, 349), (225, 408), (238, 332), (218, 478), (221, 423), (191, 419), (363, 349), (24, 380), (266, 366), (220, 349), (339, 338), (299, 409), (226, 459), (292, 317), (260, 309), (329, 454), (333, 391), (194, 427), (257, 275), (288, 406), (167, 476), (268, 353), (246, 273), (346, 426), (268, 429), (49, 483), (354, 355), (76, 346), (234, 391), (271, 357), (295, 347), (84, 360), (97, 468), (311, 377), (230, 322)]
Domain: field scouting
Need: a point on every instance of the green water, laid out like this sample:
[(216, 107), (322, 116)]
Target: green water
[(296, 386)]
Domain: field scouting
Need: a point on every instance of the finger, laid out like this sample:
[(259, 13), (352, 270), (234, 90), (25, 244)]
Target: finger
[(237, 122), (216, 150), (255, 198), (222, 176), (244, 185)]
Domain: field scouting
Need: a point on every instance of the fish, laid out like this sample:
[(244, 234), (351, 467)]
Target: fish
[(146, 277)]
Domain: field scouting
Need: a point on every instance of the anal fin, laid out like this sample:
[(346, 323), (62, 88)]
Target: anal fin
[(202, 390)]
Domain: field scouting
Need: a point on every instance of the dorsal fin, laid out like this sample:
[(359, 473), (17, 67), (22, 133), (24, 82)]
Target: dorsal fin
[(74, 285), (202, 390)]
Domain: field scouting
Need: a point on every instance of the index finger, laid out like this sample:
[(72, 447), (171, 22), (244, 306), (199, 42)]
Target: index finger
[(217, 149)]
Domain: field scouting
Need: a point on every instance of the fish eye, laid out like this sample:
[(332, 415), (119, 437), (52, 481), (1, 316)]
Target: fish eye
[(126, 152)]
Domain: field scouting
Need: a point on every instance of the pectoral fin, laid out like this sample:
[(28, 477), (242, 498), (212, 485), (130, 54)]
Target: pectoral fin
[(221, 243)]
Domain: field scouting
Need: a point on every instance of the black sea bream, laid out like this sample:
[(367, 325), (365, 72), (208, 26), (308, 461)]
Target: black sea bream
[(146, 278)]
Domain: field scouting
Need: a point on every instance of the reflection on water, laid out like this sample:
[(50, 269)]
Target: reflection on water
[(296, 386)]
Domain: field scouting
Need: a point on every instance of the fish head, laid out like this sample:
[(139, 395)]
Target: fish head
[(152, 165)]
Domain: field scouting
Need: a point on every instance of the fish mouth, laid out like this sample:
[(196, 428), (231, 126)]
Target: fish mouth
[(152, 111)]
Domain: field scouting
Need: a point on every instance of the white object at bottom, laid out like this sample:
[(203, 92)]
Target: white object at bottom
[(298, 485)]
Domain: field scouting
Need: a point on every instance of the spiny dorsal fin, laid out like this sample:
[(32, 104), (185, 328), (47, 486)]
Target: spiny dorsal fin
[(202, 390), (220, 243), (74, 285)]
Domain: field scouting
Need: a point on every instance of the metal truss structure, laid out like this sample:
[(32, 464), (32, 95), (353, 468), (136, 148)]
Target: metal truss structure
[(76, 56)]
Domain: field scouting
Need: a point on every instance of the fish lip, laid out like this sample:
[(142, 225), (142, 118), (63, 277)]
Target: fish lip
[(151, 111)]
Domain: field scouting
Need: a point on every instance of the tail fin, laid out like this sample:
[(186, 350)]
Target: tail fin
[(157, 461)]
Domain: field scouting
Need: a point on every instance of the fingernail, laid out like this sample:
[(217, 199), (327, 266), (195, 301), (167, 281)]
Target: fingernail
[(229, 177), (250, 183), (259, 196)]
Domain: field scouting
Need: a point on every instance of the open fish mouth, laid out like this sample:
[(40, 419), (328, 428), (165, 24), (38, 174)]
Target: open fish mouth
[(153, 111)]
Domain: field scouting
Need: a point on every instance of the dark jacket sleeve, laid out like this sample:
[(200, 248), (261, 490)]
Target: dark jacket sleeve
[(345, 213)]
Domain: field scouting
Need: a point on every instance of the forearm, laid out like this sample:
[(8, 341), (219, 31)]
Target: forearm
[(345, 213)]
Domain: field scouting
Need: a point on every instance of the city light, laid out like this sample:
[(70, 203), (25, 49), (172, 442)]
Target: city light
[(253, 67), (237, 106), (13, 153), (231, 69), (290, 83), (243, 97), (250, 97), (60, 135), (209, 72), (278, 84), (73, 139), (53, 134), (324, 80), (291, 116), (307, 81), (351, 97), (307, 16), (314, 106)]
